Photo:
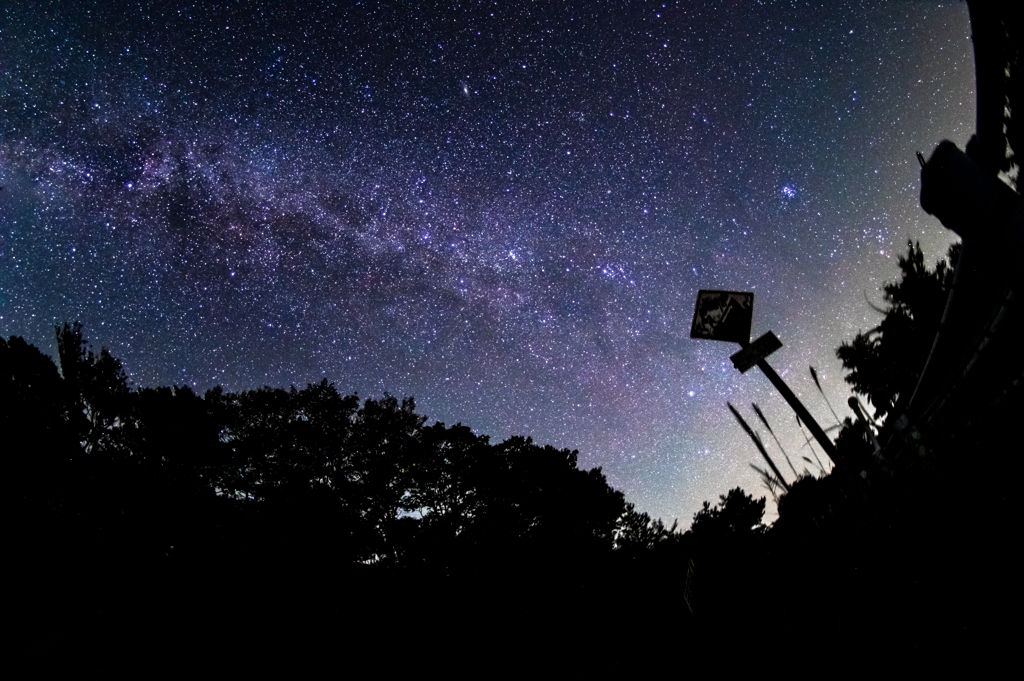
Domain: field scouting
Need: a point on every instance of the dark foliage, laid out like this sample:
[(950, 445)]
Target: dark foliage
[(737, 513), (269, 472), (177, 510), (278, 501), (886, 361)]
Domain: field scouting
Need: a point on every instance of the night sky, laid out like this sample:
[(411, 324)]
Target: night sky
[(503, 209)]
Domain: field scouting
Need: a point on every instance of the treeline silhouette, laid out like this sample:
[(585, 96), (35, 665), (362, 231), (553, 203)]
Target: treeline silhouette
[(164, 471), (153, 515), (136, 510)]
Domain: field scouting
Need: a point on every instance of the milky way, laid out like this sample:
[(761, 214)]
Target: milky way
[(504, 210)]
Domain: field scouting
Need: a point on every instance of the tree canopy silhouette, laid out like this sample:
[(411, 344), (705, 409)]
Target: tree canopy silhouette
[(886, 361), (736, 514), (276, 472)]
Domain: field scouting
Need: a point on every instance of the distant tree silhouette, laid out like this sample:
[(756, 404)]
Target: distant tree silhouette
[(725, 544), (98, 390), (447, 491), (886, 361), (535, 498), (279, 478), (636, 533), (396, 490), (385, 443), (736, 514), (445, 481), (37, 443), (171, 442)]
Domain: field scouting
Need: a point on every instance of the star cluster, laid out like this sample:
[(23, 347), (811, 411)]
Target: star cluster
[(503, 209)]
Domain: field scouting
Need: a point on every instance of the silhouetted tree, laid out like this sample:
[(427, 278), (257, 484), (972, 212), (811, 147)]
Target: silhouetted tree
[(636, 533), (535, 501), (98, 390), (286, 476), (886, 361), (446, 489), (736, 514), (37, 443), (284, 456), (386, 440)]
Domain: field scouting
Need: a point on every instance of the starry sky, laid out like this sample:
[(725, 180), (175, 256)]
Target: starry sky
[(503, 209)]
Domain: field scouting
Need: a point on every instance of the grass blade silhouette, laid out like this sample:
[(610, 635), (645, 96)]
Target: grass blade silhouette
[(814, 375), (761, 416), (809, 444), (770, 481), (760, 447)]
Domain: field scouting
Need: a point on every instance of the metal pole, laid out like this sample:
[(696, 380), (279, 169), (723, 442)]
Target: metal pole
[(801, 411)]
